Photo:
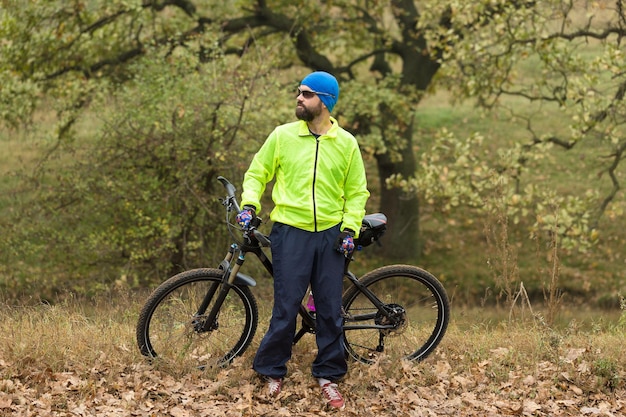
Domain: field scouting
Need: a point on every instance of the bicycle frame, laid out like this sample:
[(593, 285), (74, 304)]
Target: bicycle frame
[(386, 301), (254, 242)]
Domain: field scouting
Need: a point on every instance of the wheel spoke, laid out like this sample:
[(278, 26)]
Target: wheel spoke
[(419, 312), (168, 330)]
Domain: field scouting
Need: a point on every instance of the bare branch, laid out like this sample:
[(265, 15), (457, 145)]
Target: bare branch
[(611, 170)]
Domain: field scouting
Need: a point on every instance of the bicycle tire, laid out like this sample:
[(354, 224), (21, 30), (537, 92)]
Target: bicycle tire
[(425, 309), (166, 329)]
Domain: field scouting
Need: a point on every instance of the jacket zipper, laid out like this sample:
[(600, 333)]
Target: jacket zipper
[(317, 147)]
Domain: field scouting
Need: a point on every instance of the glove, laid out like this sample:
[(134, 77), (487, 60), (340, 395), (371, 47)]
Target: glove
[(245, 216), (345, 242)]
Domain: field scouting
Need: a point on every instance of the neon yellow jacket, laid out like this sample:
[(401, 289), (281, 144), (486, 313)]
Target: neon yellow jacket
[(319, 182)]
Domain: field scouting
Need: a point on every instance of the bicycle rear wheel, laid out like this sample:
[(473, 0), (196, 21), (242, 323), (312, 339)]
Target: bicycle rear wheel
[(419, 304), (169, 326)]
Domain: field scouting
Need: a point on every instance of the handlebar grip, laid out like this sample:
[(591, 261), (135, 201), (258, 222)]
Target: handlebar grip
[(230, 190)]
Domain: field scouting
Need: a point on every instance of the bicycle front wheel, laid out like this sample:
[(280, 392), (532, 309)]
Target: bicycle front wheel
[(417, 319), (170, 326)]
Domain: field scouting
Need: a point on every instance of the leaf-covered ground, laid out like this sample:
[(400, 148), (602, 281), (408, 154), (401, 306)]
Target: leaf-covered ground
[(447, 384)]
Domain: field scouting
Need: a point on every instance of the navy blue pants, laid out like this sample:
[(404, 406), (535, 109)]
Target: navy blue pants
[(301, 258)]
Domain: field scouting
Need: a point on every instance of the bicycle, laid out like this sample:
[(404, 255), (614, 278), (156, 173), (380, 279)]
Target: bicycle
[(206, 317)]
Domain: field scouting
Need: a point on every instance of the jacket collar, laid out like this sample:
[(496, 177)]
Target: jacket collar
[(303, 129)]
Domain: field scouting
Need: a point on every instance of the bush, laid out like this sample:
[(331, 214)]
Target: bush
[(138, 199)]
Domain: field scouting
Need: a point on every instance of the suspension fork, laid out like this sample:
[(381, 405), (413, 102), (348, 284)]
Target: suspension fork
[(210, 322), (224, 266)]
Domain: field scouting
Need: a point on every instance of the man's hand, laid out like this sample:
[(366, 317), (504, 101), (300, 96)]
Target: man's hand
[(245, 216), (345, 242)]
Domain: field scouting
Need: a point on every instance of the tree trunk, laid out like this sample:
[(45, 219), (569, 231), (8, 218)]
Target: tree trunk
[(401, 241)]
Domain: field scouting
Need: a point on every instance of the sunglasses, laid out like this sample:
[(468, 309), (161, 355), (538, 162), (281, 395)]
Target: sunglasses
[(310, 93)]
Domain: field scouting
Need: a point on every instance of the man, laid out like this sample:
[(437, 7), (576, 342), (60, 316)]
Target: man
[(319, 197)]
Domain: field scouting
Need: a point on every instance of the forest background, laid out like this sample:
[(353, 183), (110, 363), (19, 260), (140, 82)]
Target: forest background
[(493, 133)]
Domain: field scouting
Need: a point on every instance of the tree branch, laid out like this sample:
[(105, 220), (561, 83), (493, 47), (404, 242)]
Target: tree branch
[(611, 170), (265, 17)]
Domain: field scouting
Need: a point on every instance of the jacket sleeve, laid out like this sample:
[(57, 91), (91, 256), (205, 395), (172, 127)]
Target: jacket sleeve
[(355, 193), (261, 171)]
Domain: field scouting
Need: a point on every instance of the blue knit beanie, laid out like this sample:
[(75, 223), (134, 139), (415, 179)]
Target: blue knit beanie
[(323, 82)]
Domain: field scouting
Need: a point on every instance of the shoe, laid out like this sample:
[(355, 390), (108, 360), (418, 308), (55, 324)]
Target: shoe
[(273, 386), (332, 396)]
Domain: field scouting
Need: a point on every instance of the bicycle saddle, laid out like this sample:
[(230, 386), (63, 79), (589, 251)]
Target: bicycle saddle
[(373, 227)]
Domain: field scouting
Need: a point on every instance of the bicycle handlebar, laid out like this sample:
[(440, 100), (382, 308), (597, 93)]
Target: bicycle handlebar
[(252, 230), (230, 190)]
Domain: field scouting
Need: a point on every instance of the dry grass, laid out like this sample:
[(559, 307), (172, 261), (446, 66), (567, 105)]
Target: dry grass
[(79, 358)]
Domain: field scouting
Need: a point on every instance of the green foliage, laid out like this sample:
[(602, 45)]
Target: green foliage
[(460, 173), (534, 63), (607, 372), (142, 202), (374, 103)]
